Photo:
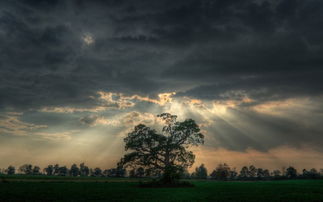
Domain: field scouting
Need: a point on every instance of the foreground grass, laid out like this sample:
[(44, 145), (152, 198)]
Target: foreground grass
[(94, 189)]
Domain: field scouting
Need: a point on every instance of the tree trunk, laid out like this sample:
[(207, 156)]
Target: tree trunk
[(169, 175)]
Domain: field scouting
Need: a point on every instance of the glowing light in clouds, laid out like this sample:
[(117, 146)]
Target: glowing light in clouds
[(88, 39)]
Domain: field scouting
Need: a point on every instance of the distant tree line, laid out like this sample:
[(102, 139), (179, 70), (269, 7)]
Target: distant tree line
[(224, 172), (221, 172), (57, 170)]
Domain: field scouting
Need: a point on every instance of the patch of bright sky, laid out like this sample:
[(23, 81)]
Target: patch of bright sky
[(88, 39)]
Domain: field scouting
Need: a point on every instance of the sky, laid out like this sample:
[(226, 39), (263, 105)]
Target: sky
[(77, 76)]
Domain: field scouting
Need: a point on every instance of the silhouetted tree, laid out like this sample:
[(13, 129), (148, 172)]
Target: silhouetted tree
[(116, 172), (276, 173), (84, 170), (200, 172), (36, 170), (112, 172), (49, 170), (166, 152), (97, 172), (312, 174), (252, 171), (11, 170), (291, 172), (105, 173), (120, 172), (321, 172), (56, 169), (233, 173), (283, 171), (222, 172), (26, 169), (260, 173), (305, 173), (62, 171), (266, 173), (244, 173), (74, 171)]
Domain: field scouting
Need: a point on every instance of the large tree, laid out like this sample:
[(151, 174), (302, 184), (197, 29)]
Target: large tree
[(166, 152)]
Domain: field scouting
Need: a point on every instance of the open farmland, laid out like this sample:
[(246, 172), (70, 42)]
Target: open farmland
[(22, 188)]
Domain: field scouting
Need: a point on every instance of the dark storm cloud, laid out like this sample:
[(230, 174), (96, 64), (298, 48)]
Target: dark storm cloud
[(44, 60), (212, 47)]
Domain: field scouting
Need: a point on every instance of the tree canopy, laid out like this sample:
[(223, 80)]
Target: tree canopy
[(166, 152)]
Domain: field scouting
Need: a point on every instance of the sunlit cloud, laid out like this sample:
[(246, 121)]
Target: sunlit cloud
[(281, 106), (116, 100), (163, 98), (123, 101), (232, 135), (71, 109), (127, 120), (10, 124), (110, 100)]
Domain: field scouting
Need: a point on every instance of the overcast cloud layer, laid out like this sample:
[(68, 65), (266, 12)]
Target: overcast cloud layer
[(250, 72)]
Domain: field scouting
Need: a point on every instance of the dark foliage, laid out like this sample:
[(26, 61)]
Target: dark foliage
[(165, 153)]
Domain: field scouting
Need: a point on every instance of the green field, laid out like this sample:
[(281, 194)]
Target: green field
[(18, 188)]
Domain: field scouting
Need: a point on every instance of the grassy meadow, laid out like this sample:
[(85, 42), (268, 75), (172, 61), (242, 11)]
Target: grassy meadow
[(42, 188)]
